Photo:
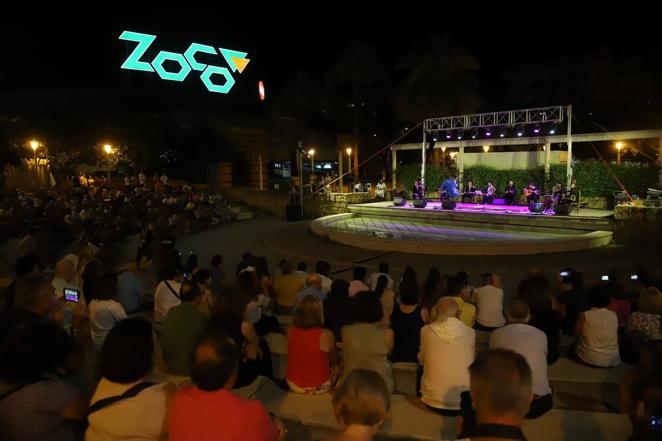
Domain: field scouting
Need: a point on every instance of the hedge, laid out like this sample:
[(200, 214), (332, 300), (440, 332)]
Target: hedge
[(593, 177)]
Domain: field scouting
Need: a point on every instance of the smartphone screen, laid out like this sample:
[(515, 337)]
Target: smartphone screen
[(605, 278), (71, 295), (634, 277), (564, 273)]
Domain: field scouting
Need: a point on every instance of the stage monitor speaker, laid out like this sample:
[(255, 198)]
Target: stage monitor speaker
[(293, 212), (562, 209), (399, 202), (448, 205), (420, 203), (536, 207)]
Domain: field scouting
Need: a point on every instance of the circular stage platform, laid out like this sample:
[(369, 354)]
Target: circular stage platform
[(468, 230)]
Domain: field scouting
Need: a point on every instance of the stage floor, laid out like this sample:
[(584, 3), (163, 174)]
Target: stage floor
[(469, 229)]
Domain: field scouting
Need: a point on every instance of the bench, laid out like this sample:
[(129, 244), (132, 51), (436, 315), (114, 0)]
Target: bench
[(312, 417)]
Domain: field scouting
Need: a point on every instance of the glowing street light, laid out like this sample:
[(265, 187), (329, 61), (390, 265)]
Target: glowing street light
[(348, 150), (486, 148), (109, 151), (619, 146), (311, 153), (34, 145)]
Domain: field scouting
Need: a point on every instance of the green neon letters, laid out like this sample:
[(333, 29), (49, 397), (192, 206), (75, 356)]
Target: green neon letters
[(187, 62)]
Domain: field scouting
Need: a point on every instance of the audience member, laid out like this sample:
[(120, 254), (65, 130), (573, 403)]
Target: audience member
[(323, 268), (338, 308), (302, 271), (536, 293), (573, 301), (489, 303), (286, 288), (406, 322), (387, 297), (166, 294), (313, 288), (217, 274), (383, 271), (596, 333), (457, 289), (105, 312), (357, 285), (130, 291)]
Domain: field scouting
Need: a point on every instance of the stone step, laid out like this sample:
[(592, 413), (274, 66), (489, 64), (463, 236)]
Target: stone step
[(244, 215)]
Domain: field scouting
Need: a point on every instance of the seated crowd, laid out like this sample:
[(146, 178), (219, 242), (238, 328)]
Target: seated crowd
[(210, 330)]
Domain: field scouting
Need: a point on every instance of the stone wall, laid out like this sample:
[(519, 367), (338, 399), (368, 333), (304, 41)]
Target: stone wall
[(274, 202), (638, 224)]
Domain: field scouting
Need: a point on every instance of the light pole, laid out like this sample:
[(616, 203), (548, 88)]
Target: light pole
[(311, 154), (443, 156), (109, 151), (348, 150), (619, 146), (34, 145)]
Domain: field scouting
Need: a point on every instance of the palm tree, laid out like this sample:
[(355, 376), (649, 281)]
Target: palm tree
[(440, 79), (358, 77)]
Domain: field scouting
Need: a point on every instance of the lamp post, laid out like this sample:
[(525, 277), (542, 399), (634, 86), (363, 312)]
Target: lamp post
[(348, 150), (311, 154), (443, 156), (619, 146), (34, 145), (109, 151)]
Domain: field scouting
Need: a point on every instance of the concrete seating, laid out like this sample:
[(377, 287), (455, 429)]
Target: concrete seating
[(278, 347), (411, 420), (404, 377), (570, 370)]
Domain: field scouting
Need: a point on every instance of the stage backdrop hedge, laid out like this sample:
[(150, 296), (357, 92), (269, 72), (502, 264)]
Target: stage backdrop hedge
[(593, 177)]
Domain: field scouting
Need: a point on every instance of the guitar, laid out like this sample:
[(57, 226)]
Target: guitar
[(529, 191)]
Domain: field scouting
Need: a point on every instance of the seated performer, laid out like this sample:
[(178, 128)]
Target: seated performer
[(488, 198), (418, 191), (469, 192), (510, 193), (532, 193), (448, 189)]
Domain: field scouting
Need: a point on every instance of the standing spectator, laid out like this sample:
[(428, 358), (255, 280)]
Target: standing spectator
[(166, 294), (182, 328), (208, 410), (457, 289), (406, 322), (286, 288), (302, 271), (367, 343), (357, 285), (36, 404), (489, 303), (311, 349), (531, 343), (338, 308), (536, 294), (447, 350), (596, 333), (387, 297), (125, 361), (383, 271), (130, 292), (361, 405), (217, 274), (105, 312), (324, 269)]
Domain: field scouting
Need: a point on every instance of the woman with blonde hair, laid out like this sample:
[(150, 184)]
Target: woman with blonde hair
[(361, 405), (311, 350)]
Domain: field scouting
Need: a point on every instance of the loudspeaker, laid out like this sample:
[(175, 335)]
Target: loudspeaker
[(293, 212), (399, 202), (448, 204), (536, 207), (562, 209), (420, 203)]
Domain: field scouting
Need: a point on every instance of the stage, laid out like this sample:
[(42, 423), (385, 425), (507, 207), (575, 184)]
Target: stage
[(469, 229)]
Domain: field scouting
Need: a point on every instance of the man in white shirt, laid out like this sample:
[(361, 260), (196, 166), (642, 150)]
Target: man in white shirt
[(380, 189), (448, 347), (530, 342), (166, 295), (383, 271), (489, 303), (357, 285), (302, 271), (323, 268)]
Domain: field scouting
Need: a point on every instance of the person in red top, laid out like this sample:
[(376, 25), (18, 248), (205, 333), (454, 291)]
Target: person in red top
[(311, 349), (208, 411)]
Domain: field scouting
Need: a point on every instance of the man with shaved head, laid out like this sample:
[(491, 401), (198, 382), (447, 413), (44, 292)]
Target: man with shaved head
[(208, 410), (447, 350), (313, 288)]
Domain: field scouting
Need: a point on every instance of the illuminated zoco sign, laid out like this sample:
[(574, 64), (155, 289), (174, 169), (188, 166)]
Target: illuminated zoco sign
[(236, 61)]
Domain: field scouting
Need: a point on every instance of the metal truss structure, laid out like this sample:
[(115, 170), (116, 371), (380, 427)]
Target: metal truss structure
[(540, 115)]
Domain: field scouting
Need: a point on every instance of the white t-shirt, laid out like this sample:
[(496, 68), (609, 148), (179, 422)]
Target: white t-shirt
[(104, 315), (372, 280), (136, 418), (447, 349), (164, 299), (380, 190), (326, 283), (529, 342), (489, 306), (598, 339)]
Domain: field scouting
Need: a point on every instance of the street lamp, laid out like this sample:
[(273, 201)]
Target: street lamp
[(34, 145), (619, 146), (311, 153), (443, 156), (348, 150), (109, 151)]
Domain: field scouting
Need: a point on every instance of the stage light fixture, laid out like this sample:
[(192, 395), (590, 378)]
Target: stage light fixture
[(502, 132), (536, 129), (520, 130), (459, 134), (449, 134), (552, 128), (474, 133), (488, 132)]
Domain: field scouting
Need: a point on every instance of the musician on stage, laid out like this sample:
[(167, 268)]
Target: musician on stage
[(448, 189), (532, 193), (418, 191), (510, 193), (469, 192), (488, 198)]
